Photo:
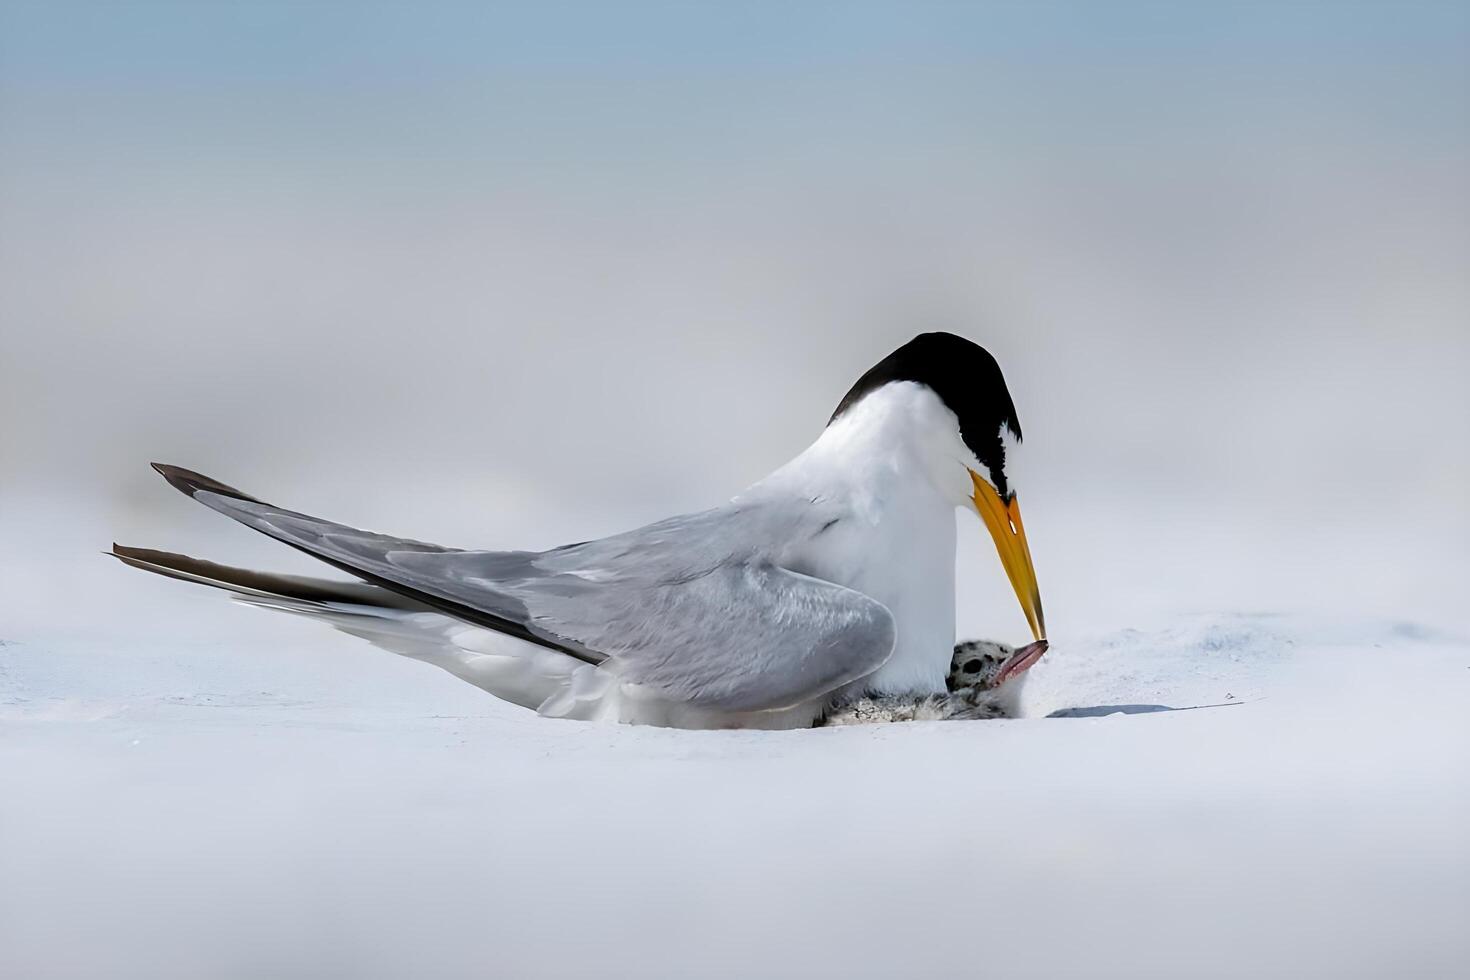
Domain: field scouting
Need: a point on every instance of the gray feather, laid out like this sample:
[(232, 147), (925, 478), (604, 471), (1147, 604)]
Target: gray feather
[(696, 608)]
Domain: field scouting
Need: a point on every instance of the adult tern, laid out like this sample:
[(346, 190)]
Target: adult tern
[(829, 581)]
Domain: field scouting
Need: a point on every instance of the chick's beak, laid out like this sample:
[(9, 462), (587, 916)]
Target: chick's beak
[(1003, 520)]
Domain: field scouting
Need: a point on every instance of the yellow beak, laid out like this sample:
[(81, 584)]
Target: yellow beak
[(1004, 523)]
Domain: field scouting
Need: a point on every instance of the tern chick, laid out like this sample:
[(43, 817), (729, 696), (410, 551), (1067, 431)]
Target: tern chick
[(985, 681)]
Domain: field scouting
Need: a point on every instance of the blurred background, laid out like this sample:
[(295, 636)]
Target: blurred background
[(515, 275), (510, 276)]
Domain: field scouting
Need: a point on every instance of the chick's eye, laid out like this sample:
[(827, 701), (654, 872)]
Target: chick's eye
[(972, 666)]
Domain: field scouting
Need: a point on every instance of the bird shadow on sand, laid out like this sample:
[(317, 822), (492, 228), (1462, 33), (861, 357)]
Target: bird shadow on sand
[(1100, 710)]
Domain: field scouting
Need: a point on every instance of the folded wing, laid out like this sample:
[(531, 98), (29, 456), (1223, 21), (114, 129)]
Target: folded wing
[(692, 608)]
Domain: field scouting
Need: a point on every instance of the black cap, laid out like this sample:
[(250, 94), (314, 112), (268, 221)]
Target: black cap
[(966, 378)]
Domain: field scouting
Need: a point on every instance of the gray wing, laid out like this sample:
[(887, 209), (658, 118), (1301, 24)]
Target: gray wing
[(691, 607)]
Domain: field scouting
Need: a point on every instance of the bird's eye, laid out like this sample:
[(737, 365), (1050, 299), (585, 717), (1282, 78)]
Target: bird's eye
[(972, 666)]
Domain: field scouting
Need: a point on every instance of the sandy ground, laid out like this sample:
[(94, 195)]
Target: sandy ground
[(325, 809)]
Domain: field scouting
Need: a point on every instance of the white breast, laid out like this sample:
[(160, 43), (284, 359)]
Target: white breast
[(880, 468)]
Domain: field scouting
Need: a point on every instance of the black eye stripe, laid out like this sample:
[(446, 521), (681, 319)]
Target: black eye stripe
[(973, 666)]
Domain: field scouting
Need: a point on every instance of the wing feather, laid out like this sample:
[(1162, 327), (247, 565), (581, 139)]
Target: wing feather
[(694, 608)]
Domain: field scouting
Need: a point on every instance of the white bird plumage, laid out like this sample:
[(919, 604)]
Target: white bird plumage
[(830, 580)]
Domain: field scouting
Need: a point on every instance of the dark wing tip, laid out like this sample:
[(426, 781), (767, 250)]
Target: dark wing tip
[(190, 483), (136, 557), (139, 557), (132, 554)]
